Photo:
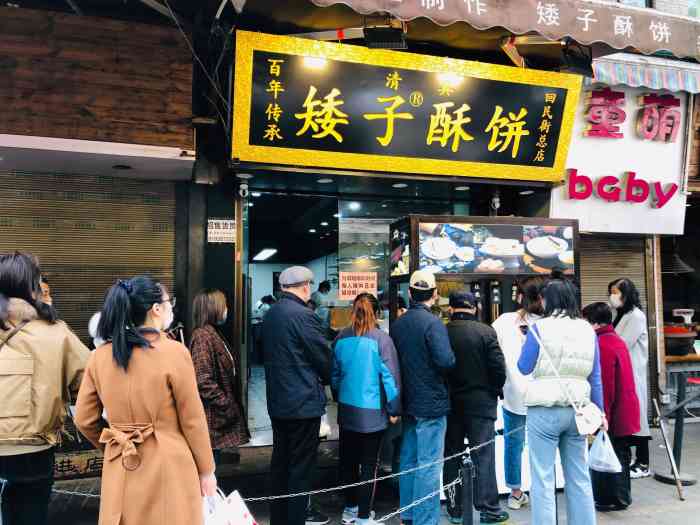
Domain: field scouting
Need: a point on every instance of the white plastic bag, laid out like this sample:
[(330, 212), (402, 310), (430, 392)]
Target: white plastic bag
[(215, 509), (238, 512), (602, 457)]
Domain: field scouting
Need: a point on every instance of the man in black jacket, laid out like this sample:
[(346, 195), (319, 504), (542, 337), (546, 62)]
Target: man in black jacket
[(475, 384), (297, 366)]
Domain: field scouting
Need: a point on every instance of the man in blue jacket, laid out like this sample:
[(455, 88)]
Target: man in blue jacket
[(297, 366), (426, 356)]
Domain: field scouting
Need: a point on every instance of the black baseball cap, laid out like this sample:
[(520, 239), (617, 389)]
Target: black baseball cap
[(462, 299)]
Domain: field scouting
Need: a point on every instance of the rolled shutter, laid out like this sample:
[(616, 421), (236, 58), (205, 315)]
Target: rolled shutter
[(88, 231)]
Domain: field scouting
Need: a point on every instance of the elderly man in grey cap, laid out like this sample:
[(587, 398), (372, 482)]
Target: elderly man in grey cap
[(297, 366)]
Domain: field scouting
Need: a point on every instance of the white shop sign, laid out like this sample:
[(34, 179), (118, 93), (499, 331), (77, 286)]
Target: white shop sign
[(628, 184), (221, 231)]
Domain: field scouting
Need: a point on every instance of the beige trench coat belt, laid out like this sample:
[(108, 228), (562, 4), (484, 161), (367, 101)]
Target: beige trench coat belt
[(121, 440)]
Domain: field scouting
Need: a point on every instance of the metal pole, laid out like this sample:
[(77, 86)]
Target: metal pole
[(680, 419), (467, 490)]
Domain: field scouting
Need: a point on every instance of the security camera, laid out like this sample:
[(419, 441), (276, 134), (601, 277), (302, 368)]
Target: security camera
[(496, 202), (243, 191)]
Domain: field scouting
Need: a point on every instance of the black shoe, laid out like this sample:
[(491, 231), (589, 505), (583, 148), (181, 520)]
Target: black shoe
[(494, 517), (314, 517), (609, 508), (454, 515)]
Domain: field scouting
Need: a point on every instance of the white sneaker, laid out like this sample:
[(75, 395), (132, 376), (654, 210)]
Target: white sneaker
[(639, 471), (325, 430), (517, 503), (349, 515)]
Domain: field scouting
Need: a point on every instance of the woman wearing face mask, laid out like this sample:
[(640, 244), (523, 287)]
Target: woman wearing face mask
[(218, 373), (511, 328), (631, 324), (158, 462)]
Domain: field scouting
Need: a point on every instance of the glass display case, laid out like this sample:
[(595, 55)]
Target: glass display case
[(487, 255)]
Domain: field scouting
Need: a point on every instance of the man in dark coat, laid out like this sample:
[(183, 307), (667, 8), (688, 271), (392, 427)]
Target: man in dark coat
[(297, 366), (614, 491), (425, 355), (476, 382)]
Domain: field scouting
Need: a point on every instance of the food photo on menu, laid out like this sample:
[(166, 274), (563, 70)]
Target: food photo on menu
[(495, 248)]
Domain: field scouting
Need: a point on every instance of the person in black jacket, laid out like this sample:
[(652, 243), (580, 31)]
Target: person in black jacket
[(297, 366), (475, 384)]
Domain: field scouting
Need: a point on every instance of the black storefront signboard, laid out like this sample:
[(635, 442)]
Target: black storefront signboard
[(309, 103)]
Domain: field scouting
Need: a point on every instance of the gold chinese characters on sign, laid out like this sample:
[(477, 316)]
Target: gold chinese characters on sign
[(299, 102)]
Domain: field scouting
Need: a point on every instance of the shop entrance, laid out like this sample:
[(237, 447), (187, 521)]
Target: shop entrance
[(340, 224)]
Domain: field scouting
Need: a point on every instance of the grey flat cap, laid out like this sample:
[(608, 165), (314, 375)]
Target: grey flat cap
[(296, 275)]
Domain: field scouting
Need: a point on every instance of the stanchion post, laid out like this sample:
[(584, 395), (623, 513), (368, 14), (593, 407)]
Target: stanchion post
[(467, 490)]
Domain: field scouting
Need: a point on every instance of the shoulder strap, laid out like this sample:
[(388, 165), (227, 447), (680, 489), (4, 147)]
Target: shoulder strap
[(13, 333)]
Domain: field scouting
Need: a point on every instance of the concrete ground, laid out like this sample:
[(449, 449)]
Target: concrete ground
[(654, 502)]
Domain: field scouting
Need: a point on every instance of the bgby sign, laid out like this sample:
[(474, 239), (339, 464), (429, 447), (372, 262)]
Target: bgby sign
[(628, 188)]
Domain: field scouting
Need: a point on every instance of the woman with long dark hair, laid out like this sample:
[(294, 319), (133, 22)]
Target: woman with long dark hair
[(218, 373), (631, 324), (41, 361), (511, 329), (565, 370), (158, 459), (367, 385)]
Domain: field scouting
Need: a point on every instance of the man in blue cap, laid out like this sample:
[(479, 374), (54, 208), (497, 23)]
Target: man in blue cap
[(297, 366), (475, 384)]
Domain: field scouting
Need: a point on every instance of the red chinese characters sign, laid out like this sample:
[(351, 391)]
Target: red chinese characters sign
[(605, 113), (659, 118), (353, 284)]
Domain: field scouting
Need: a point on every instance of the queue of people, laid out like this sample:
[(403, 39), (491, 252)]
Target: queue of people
[(163, 414)]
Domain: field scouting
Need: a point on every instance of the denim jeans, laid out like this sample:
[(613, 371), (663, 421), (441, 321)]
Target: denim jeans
[(423, 442), (513, 452), (549, 428)]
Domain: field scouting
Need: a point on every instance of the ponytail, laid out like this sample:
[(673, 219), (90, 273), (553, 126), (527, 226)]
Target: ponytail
[(365, 309), (125, 309)]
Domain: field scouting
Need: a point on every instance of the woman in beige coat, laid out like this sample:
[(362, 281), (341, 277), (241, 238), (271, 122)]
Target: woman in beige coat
[(158, 461)]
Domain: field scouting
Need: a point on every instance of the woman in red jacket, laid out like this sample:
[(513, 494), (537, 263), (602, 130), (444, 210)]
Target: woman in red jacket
[(613, 491)]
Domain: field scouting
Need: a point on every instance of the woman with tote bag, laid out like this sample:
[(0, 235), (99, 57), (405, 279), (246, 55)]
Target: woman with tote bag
[(561, 353)]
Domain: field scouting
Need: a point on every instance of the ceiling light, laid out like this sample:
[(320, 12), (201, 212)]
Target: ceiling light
[(312, 230), (324, 223), (399, 185), (450, 79), (244, 176), (315, 62), (256, 194), (354, 206), (688, 205), (250, 204), (336, 215), (324, 181), (385, 205), (265, 254), (462, 188), (527, 192)]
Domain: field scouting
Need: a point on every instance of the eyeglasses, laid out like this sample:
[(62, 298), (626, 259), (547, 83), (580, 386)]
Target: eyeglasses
[(172, 301)]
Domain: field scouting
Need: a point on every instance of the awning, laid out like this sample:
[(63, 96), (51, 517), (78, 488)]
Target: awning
[(586, 21), (651, 72)]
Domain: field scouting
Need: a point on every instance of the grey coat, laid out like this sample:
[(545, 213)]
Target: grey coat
[(633, 329)]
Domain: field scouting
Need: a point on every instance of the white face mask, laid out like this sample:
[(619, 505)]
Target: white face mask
[(616, 301), (168, 319)]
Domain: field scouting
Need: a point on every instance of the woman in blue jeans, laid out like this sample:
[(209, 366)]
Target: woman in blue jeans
[(567, 369)]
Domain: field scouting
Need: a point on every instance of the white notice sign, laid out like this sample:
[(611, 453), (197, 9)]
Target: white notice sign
[(353, 284), (221, 231)]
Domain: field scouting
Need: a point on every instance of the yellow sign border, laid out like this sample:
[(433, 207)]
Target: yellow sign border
[(247, 42)]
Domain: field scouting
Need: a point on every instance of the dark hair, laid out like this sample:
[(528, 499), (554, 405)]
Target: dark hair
[(20, 278), (365, 309), (561, 299), (421, 296), (124, 311), (325, 286), (531, 289), (208, 308), (401, 302), (268, 299), (598, 313), (557, 273), (630, 294), (44, 278)]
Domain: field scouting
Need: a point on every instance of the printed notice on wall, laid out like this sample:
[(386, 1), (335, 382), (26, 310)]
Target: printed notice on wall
[(221, 231), (353, 284)]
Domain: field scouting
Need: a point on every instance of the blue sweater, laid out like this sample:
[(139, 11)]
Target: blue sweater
[(366, 381), (531, 352)]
